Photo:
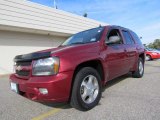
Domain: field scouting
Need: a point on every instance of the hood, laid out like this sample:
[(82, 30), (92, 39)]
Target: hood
[(75, 49), (31, 56), (56, 51)]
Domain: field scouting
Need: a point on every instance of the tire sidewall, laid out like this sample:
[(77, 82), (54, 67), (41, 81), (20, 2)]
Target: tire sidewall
[(140, 60), (81, 75)]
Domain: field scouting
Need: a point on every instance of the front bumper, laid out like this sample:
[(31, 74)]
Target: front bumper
[(58, 87)]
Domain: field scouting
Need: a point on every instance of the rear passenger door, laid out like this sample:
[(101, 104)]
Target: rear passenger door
[(130, 48)]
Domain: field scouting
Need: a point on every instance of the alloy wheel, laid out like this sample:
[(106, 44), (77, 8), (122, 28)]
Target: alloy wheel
[(89, 89)]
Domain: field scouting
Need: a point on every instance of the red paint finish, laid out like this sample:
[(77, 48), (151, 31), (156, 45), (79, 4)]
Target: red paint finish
[(116, 60), (153, 54), (58, 86)]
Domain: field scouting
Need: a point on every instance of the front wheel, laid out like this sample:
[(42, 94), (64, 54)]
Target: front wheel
[(140, 69), (86, 91), (148, 58)]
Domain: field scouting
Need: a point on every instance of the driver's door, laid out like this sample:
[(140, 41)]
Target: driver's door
[(115, 56)]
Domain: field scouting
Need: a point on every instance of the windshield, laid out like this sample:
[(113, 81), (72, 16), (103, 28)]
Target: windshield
[(87, 36), (150, 49)]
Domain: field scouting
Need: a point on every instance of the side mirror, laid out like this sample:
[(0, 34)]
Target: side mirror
[(113, 40)]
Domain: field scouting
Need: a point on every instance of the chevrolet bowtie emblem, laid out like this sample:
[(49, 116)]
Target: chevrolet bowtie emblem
[(19, 68)]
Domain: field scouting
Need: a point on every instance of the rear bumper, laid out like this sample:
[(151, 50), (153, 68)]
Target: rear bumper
[(58, 87)]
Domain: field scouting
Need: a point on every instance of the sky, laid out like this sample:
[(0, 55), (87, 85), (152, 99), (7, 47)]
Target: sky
[(141, 16)]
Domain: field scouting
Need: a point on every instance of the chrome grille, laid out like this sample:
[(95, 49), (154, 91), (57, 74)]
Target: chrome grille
[(19, 69)]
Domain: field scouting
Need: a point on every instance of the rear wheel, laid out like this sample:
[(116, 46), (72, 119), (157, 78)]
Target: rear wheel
[(140, 69), (86, 91)]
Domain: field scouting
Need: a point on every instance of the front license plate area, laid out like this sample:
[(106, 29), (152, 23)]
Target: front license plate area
[(14, 87)]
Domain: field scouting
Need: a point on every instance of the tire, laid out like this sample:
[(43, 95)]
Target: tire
[(86, 92), (140, 69), (148, 58)]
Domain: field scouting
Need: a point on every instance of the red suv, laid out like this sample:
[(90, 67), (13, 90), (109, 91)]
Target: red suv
[(76, 70)]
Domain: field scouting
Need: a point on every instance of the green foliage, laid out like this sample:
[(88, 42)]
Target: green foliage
[(155, 44)]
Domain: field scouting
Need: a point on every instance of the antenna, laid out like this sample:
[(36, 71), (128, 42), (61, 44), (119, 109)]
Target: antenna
[(55, 4)]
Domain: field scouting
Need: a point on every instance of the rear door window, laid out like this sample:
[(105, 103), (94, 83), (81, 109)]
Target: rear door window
[(127, 37), (136, 38)]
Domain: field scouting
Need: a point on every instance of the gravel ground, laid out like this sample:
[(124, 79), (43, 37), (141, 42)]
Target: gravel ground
[(124, 98)]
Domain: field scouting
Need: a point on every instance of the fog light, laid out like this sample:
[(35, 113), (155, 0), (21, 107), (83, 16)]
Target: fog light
[(43, 91)]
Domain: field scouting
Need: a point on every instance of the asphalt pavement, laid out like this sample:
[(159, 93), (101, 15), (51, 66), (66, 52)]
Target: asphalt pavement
[(124, 98)]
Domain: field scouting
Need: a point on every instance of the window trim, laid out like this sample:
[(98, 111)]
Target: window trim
[(129, 35), (109, 30), (135, 37)]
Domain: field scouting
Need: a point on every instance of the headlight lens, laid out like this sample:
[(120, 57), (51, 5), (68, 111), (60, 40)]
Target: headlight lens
[(46, 66)]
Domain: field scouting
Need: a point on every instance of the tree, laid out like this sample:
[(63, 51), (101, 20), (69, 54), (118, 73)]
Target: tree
[(155, 44), (85, 15)]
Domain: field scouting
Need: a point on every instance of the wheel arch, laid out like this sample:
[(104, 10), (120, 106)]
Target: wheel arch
[(149, 55), (142, 55), (96, 64)]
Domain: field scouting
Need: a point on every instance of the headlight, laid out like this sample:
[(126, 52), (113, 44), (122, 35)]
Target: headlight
[(46, 66)]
